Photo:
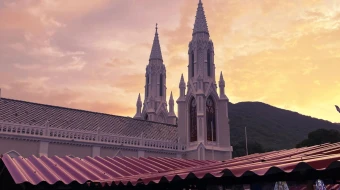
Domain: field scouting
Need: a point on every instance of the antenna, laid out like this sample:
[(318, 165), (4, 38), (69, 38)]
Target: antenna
[(245, 133)]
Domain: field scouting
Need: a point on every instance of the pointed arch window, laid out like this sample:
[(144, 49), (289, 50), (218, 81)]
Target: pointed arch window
[(211, 121), (147, 86), (192, 64), (193, 120), (161, 85), (208, 63)]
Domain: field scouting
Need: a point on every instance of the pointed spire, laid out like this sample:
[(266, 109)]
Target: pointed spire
[(182, 79), (156, 52), (182, 87), (200, 21), (221, 82), (138, 108), (221, 77), (139, 101), (171, 98)]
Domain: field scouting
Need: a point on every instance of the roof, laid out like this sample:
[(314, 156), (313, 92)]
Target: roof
[(29, 113), (67, 169), (133, 171), (156, 52), (200, 20)]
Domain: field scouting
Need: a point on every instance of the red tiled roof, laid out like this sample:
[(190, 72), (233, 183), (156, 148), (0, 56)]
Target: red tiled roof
[(132, 171)]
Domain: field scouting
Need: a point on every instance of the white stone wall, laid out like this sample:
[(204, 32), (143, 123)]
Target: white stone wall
[(158, 154), (67, 149), (23, 147)]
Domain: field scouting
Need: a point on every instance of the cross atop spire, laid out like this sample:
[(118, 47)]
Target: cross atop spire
[(156, 52), (200, 21)]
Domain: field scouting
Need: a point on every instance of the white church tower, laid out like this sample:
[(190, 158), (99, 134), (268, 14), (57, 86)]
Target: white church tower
[(155, 105), (203, 122)]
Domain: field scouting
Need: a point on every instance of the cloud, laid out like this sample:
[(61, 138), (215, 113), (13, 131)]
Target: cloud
[(76, 64), (119, 63), (131, 83), (83, 54)]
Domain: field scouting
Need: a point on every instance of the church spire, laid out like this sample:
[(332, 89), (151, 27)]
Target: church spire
[(200, 25), (156, 52)]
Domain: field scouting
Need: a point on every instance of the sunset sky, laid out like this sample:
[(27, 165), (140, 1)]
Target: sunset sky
[(92, 54)]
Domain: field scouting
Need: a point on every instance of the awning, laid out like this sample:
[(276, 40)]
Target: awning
[(130, 171)]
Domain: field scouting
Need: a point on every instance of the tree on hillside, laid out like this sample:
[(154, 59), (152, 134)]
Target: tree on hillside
[(239, 149), (320, 136)]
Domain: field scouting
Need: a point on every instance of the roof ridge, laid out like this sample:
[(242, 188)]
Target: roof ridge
[(87, 111)]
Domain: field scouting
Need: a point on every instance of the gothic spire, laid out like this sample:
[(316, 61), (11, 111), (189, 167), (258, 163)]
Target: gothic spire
[(138, 108), (200, 25), (182, 83), (156, 52), (171, 106), (171, 98), (221, 77), (139, 101), (221, 82)]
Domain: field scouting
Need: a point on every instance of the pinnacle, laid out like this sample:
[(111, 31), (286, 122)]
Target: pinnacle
[(200, 25), (139, 99), (171, 98), (182, 79), (221, 77), (156, 52)]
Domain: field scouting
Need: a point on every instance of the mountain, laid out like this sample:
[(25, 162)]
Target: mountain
[(272, 127)]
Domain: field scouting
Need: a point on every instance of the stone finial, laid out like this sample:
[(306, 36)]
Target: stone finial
[(171, 98), (182, 82), (200, 25), (139, 101), (221, 82), (182, 87), (138, 108), (156, 53)]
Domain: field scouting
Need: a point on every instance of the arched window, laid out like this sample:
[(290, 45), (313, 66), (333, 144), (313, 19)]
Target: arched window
[(192, 65), (146, 117), (193, 120), (147, 86), (211, 122), (208, 63), (161, 85)]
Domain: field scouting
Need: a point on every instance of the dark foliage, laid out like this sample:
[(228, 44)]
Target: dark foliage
[(253, 147), (320, 136), (272, 127)]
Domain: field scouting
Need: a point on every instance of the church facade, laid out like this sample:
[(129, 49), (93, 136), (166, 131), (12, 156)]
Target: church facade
[(200, 131)]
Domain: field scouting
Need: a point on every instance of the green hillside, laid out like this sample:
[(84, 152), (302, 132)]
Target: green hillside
[(272, 127)]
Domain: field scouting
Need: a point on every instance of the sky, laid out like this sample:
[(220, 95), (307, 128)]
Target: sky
[(92, 55)]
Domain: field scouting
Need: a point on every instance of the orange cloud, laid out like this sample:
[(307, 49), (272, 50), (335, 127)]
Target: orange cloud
[(285, 53)]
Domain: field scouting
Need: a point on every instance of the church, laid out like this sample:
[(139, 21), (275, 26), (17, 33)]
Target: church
[(199, 131)]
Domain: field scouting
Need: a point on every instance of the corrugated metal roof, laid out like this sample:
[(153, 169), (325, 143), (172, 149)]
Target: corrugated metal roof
[(29, 113), (132, 171), (66, 169)]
